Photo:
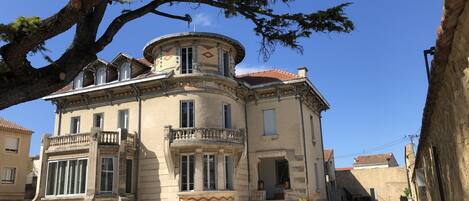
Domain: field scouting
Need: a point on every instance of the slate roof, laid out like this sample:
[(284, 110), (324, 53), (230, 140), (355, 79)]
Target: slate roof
[(6, 124), (267, 76)]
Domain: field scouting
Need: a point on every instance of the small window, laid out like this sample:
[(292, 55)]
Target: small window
[(128, 176), (187, 114), (311, 123), (186, 60), (282, 172), (8, 175), (187, 172), (316, 175), (12, 144), (269, 122), (101, 75), (229, 172), (226, 64), (210, 169), (78, 81), (226, 116), (124, 71), (123, 119), (75, 125), (107, 174), (98, 120)]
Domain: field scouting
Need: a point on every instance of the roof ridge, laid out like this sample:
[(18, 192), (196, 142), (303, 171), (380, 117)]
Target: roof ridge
[(268, 70), (5, 123)]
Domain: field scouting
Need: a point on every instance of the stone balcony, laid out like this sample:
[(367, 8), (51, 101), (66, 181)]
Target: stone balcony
[(82, 141), (187, 137)]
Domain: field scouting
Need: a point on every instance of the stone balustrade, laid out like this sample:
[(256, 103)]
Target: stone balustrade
[(67, 140), (84, 139), (206, 135)]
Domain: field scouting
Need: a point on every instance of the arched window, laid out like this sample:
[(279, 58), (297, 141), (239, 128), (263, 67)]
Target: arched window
[(78, 81), (101, 75), (124, 71)]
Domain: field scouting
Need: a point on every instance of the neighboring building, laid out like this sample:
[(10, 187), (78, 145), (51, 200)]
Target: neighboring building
[(375, 161), (410, 166), (34, 167), (180, 125), (441, 165), (14, 155), (329, 167)]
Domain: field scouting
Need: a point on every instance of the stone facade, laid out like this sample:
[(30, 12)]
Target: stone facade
[(443, 151), (190, 129)]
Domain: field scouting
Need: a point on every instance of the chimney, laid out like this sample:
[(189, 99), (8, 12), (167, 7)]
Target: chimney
[(303, 71)]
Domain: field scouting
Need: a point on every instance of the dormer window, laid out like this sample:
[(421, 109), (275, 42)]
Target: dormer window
[(101, 75), (78, 81), (186, 60), (124, 71)]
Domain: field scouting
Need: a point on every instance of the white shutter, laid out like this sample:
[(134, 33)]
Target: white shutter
[(269, 122), (11, 144)]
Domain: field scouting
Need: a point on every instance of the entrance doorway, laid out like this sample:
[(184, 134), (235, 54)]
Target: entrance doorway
[(274, 177)]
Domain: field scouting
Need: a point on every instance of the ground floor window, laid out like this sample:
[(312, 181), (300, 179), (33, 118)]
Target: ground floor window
[(229, 172), (210, 169), (187, 172), (107, 174), (128, 183), (66, 177), (8, 175)]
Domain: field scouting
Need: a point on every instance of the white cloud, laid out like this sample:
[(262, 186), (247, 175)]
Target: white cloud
[(244, 68), (202, 19)]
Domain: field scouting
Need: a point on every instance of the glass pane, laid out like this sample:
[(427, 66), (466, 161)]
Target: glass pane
[(191, 171), (191, 114), (128, 179), (226, 64), (61, 177), (189, 60), (184, 173), (184, 115), (206, 182), (212, 172), (229, 171), (106, 174), (183, 61), (72, 173), (51, 177), (82, 176)]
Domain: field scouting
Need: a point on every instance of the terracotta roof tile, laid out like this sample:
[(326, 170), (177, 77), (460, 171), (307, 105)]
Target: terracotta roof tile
[(268, 76), (11, 125), (373, 159), (328, 153)]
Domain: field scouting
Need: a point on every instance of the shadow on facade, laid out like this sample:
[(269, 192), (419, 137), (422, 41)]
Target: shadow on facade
[(149, 181)]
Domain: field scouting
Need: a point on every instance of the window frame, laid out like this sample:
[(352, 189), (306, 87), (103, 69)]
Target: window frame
[(277, 178), (100, 71), (2, 175), (127, 121), (122, 67), (18, 142), (72, 125), (224, 116), (187, 67), (225, 64), (189, 116), (226, 172), (188, 183), (95, 115), (101, 171), (79, 77), (129, 185), (215, 161), (274, 122), (66, 177)]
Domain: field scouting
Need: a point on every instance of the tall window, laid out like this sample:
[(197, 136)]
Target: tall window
[(210, 169), (311, 123), (226, 64), (226, 116), (98, 120), (78, 81), (316, 175), (282, 172), (124, 71), (128, 176), (107, 174), (187, 172), (8, 175), (123, 119), (186, 60), (75, 125), (12, 144), (229, 172), (101, 75), (269, 122), (66, 177), (187, 114)]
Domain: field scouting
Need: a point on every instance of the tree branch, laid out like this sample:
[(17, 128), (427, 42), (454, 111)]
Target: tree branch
[(186, 17)]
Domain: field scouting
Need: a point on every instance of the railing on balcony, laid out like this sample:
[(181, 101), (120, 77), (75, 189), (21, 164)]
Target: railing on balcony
[(109, 138), (207, 135), (102, 137), (72, 139)]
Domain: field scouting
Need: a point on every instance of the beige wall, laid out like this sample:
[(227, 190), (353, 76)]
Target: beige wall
[(18, 160), (389, 183)]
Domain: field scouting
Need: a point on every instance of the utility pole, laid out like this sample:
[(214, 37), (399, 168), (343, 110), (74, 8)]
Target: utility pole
[(411, 137)]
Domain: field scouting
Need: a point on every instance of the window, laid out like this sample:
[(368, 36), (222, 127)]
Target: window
[(187, 172), (269, 122), (210, 169), (124, 71), (123, 119), (316, 175), (101, 75), (67, 177), (226, 116), (187, 114), (12, 144), (98, 120), (311, 123), (229, 172), (8, 175), (186, 60), (128, 176), (225, 63), (282, 172), (107, 174), (75, 125), (78, 81)]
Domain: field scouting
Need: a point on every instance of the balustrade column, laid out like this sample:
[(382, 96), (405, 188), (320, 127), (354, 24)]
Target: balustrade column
[(221, 170), (91, 185), (199, 170)]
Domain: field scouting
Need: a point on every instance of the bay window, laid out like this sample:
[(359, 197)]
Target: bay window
[(66, 177), (187, 172), (210, 169)]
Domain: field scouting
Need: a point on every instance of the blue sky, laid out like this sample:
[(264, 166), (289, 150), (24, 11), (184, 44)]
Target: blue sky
[(374, 78)]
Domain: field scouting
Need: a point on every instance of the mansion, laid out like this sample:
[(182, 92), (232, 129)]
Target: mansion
[(179, 124)]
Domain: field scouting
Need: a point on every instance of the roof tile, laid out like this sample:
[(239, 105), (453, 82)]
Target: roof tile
[(4, 123), (373, 159), (268, 76)]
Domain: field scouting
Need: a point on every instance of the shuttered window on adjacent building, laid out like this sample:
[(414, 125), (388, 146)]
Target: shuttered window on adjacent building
[(12, 144)]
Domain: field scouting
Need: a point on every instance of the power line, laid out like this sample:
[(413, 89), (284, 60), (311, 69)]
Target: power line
[(377, 148)]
